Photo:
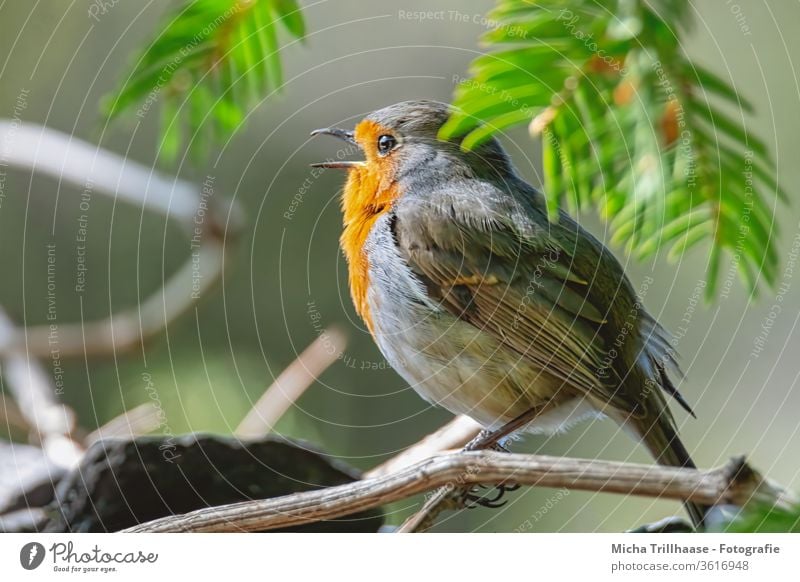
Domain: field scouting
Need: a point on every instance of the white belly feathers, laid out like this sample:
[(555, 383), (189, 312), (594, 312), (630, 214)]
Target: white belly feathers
[(450, 362)]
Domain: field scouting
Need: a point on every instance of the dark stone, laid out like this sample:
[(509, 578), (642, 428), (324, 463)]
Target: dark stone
[(121, 483)]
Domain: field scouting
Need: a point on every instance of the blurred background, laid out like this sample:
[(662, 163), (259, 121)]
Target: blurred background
[(285, 279)]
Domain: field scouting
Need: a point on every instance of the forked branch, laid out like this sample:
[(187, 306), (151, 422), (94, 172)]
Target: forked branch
[(735, 483)]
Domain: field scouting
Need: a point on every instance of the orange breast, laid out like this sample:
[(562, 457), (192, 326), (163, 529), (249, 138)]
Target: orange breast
[(366, 198)]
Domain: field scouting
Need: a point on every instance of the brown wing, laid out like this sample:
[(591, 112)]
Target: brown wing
[(517, 286)]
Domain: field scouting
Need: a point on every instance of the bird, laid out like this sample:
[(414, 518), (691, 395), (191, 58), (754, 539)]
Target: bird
[(483, 302)]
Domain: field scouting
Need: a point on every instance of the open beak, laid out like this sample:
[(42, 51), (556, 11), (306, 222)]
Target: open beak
[(343, 135)]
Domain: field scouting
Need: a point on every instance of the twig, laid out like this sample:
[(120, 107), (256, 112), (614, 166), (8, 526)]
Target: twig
[(541, 121), (52, 422), (137, 421), (291, 384), (735, 484), (70, 159), (93, 168), (11, 415), (446, 499), (23, 520), (128, 329), (453, 435), (422, 520)]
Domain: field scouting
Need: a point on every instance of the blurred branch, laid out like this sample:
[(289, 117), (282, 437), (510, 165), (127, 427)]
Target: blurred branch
[(444, 499), (137, 421), (291, 384), (735, 483), (30, 519), (90, 167), (11, 415), (453, 435), (41, 149), (128, 329), (52, 422)]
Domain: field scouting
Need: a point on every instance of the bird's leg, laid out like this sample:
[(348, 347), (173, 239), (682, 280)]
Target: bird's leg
[(486, 439), (445, 498), (482, 441), (492, 439)]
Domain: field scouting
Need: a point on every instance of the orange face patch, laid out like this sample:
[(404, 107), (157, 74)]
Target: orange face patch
[(368, 194)]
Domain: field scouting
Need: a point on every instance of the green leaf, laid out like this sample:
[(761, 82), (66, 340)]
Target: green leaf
[(485, 132), (247, 52), (270, 37), (551, 165), (713, 271), (630, 128), (759, 518), (721, 122), (291, 16), (170, 136), (712, 83), (228, 49), (693, 235), (569, 179), (673, 229)]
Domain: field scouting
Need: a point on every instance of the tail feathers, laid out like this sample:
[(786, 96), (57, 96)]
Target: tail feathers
[(668, 387), (662, 440), (659, 360), (655, 424)]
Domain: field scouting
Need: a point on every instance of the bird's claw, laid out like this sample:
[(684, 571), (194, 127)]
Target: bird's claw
[(471, 499)]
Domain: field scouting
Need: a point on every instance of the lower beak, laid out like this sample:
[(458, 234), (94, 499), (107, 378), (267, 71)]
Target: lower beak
[(343, 135), (340, 165)]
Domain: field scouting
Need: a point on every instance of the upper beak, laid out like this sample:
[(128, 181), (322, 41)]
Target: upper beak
[(336, 132), (343, 135)]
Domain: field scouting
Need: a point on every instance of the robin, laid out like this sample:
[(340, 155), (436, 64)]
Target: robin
[(482, 303)]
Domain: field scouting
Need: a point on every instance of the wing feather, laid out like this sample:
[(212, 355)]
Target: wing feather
[(498, 275)]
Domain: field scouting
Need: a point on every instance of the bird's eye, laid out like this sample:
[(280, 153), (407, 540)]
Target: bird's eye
[(385, 144)]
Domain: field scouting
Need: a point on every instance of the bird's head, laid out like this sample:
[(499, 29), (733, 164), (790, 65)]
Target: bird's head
[(400, 146), (401, 151)]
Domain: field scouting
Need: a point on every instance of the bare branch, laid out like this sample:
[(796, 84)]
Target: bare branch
[(11, 415), (127, 330), (452, 436), (23, 520), (51, 421), (41, 149), (137, 421), (541, 121), (72, 160), (291, 384), (442, 500), (735, 484), (446, 498)]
